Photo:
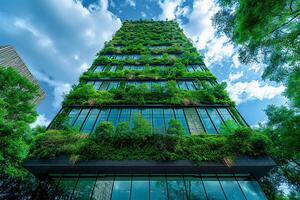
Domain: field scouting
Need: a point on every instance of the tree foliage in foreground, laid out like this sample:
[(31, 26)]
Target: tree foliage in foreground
[(16, 113), (267, 32)]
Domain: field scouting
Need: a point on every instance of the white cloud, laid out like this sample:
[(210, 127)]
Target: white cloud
[(169, 8), (143, 14), (57, 38), (233, 77), (132, 3), (241, 92), (40, 121)]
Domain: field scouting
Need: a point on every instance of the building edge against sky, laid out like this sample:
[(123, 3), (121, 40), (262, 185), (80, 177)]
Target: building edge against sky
[(10, 58), (145, 56)]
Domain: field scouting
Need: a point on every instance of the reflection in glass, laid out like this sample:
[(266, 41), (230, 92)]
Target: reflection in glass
[(176, 188), (140, 188), (121, 189), (158, 188), (195, 189), (84, 188), (103, 188), (213, 188), (65, 187), (232, 189), (251, 189)]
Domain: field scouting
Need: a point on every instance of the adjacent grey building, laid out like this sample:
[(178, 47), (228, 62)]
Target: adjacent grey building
[(10, 58)]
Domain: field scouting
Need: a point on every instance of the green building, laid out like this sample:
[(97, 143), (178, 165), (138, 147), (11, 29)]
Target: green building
[(148, 122)]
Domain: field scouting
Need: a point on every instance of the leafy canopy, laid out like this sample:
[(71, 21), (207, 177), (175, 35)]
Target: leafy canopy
[(16, 113)]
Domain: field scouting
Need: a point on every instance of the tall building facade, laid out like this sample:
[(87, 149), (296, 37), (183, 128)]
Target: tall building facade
[(10, 58), (149, 70)]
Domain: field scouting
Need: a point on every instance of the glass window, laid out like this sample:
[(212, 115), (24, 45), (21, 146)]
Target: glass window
[(97, 84), (140, 188), (113, 84), (125, 115), (147, 114), (209, 127), (193, 121), (225, 114), (103, 188), (103, 115), (99, 69), (84, 188), (190, 85), (197, 68), (215, 117), (251, 189), (168, 114), (90, 121), (176, 188), (121, 188), (114, 116), (182, 85), (179, 114), (158, 121), (190, 68), (90, 82), (232, 189), (104, 85), (158, 188), (194, 188), (66, 187), (73, 115), (113, 68), (213, 188), (81, 117), (134, 114)]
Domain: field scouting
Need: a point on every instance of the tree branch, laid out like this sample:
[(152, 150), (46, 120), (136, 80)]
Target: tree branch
[(286, 23)]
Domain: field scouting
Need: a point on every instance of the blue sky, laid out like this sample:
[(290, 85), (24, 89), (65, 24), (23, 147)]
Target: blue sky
[(58, 41)]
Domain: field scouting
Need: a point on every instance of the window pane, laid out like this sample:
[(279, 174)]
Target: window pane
[(197, 68), (182, 85), (176, 188), (158, 188), (225, 114), (193, 121), (209, 127), (113, 68), (103, 188), (66, 187), (195, 189), (147, 114), (179, 114), (103, 115), (190, 85), (232, 189), (214, 115), (97, 84), (90, 121), (213, 188), (84, 188), (125, 115), (190, 68), (114, 116), (104, 85), (140, 188), (251, 189), (169, 114), (112, 84), (81, 117), (122, 187), (134, 114), (73, 115), (158, 121), (99, 69)]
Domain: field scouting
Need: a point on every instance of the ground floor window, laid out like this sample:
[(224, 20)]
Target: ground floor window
[(157, 187)]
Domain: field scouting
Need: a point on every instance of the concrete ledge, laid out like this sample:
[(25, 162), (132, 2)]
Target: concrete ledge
[(257, 166)]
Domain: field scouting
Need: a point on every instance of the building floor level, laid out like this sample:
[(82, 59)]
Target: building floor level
[(154, 187)]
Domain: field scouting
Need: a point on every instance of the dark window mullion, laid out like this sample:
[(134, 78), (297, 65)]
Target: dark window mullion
[(86, 117), (211, 120)]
